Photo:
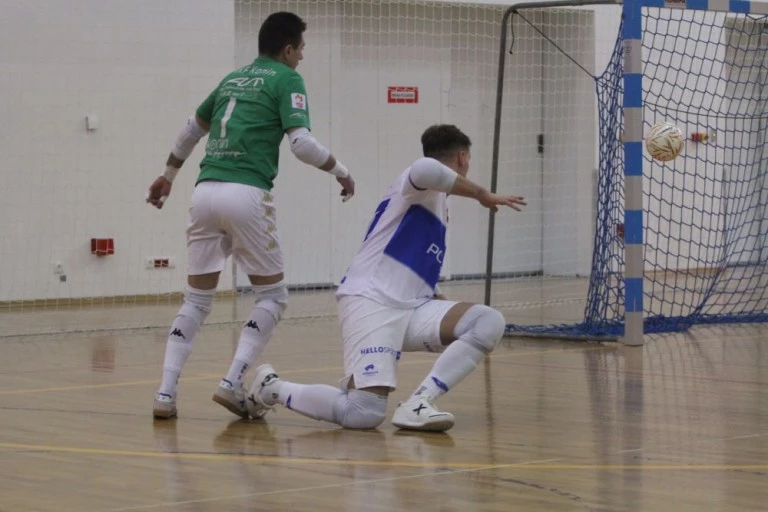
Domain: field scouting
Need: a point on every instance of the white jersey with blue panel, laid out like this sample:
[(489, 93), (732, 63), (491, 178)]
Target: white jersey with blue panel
[(399, 261)]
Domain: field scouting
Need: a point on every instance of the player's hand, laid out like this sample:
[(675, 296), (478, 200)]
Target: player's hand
[(347, 187), (493, 201), (158, 191), (440, 296)]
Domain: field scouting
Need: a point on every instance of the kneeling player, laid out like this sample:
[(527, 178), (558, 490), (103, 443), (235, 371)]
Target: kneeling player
[(389, 302)]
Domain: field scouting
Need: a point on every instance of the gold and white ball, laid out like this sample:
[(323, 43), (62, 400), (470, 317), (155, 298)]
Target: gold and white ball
[(664, 141)]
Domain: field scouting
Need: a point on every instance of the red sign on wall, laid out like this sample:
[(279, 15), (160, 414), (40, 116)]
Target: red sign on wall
[(402, 94)]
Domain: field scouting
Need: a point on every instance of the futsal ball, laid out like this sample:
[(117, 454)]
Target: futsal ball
[(664, 141)]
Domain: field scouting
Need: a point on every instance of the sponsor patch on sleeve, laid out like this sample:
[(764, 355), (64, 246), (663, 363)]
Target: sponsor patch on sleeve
[(299, 101)]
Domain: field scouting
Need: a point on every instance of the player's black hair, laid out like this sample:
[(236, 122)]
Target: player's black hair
[(279, 30), (443, 140)]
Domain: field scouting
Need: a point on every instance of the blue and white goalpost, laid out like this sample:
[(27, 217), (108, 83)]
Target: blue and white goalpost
[(634, 102), (683, 242), (632, 34)]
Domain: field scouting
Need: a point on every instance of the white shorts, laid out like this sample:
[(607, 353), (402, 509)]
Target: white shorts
[(374, 336), (233, 219)]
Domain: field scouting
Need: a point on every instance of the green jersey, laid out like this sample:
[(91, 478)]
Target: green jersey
[(249, 112)]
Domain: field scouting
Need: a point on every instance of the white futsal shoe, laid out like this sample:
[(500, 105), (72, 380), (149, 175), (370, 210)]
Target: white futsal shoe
[(260, 400), (231, 397), (164, 406), (419, 413)]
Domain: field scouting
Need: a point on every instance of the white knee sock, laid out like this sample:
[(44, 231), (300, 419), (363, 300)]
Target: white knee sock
[(479, 331), (191, 315), (258, 329), (255, 335), (452, 366), (353, 409), (316, 401)]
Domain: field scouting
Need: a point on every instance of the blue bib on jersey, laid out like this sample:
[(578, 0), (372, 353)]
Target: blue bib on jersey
[(419, 243)]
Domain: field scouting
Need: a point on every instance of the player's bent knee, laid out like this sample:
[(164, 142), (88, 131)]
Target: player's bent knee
[(482, 326), (272, 298), (197, 304), (362, 409), (493, 327)]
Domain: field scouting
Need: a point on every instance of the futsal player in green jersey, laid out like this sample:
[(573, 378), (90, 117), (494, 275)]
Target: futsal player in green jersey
[(232, 211)]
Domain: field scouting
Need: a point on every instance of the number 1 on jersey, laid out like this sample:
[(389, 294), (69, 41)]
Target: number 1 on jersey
[(227, 116)]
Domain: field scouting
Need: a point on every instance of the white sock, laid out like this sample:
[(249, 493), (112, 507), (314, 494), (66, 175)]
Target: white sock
[(452, 366), (316, 401), (181, 339), (169, 382), (177, 351), (254, 336)]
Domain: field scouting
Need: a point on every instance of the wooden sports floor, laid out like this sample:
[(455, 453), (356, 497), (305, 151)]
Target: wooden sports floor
[(680, 424)]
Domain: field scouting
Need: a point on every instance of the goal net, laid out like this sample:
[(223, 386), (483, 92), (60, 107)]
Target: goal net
[(698, 223)]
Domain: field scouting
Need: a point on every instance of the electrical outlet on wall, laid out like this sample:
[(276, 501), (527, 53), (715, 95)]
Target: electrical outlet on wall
[(162, 262)]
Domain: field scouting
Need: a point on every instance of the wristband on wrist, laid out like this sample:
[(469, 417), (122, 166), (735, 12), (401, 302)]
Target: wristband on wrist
[(170, 173), (339, 170)]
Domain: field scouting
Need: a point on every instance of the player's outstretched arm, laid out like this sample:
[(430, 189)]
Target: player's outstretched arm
[(307, 149), (467, 188), (429, 174), (194, 130)]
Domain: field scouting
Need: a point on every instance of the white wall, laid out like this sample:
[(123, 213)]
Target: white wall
[(548, 94), (472, 105), (141, 67), (744, 213), (451, 54), (570, 130), (607, 21)]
